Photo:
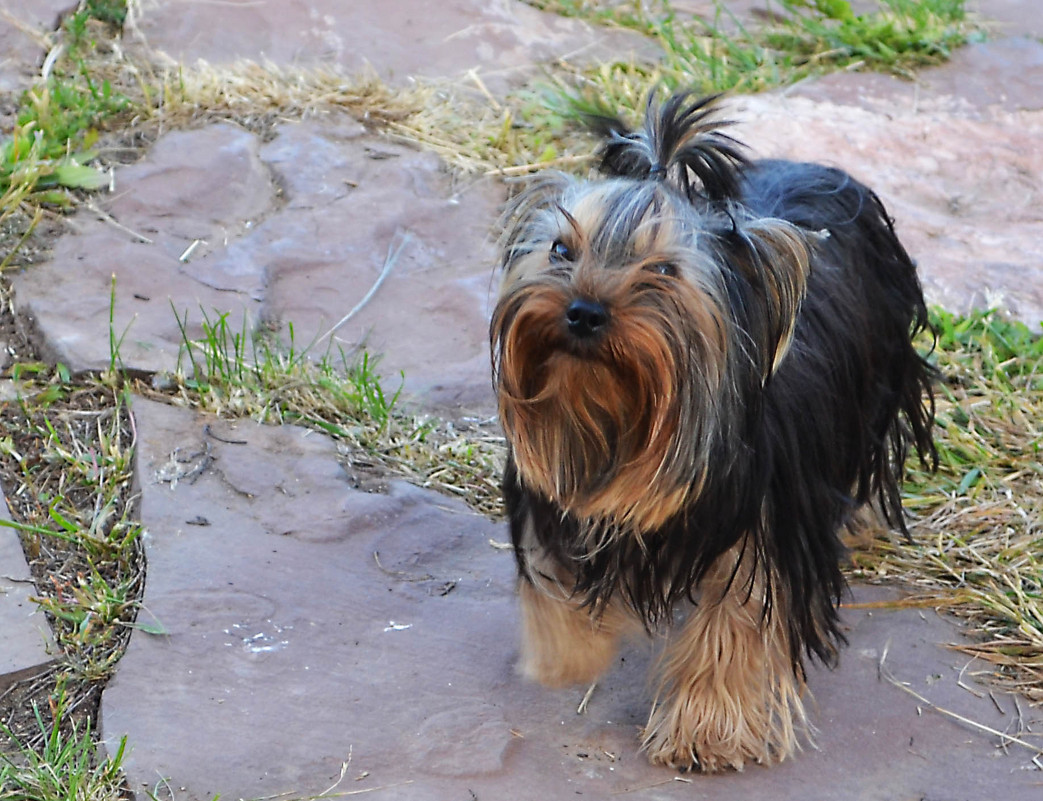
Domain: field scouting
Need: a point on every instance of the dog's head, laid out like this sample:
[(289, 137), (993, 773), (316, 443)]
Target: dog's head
[(637, 314)]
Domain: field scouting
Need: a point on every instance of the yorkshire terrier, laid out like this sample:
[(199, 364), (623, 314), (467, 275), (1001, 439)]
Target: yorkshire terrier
[(704, 367)]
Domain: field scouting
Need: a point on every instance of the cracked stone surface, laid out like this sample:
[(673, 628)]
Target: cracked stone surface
[(310, 624), (297, 231), (290, 649)]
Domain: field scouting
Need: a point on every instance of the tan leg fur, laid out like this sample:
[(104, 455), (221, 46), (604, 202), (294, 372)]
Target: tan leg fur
[(562, 643), (728, 689)]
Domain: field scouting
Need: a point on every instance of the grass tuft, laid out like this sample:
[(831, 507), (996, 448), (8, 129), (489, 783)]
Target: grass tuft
[(66, 463), (230, 371), (57, 125), (799, 39), (63, 767), (978, 536)]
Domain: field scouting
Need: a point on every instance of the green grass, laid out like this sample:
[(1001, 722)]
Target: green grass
[(978, 536), (48, 156), (66, 456), (726, 54), (64, 767), (233, 372)]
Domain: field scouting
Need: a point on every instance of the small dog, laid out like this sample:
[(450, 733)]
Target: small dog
[(704, 368)]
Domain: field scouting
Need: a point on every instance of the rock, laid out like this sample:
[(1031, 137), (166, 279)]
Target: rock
[(317, 635), (26, 634), (24, 26), (207, 184), (292, 232), (501, 41)]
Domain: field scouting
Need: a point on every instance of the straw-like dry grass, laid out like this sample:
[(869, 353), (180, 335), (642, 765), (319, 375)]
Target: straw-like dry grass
[(977, 546)]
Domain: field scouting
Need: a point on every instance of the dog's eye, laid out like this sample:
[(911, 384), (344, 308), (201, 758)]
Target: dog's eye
[(663, 268), (559, 251)]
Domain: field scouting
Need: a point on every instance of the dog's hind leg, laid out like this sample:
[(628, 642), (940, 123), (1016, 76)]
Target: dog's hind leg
[(729, 693)]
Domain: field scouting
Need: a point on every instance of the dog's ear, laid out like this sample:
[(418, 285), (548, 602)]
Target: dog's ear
[(770, 261), (681, 143)]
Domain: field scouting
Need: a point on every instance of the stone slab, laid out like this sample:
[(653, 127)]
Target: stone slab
[(27, 641), (312, 626), (980, 80), (502, 40), (23, 26), (965, 191), (293, 231), (208, 184), (1009, 17), (357, 202)]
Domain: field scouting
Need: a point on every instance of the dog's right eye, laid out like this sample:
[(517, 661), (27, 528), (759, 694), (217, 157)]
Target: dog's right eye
[(559, 251)]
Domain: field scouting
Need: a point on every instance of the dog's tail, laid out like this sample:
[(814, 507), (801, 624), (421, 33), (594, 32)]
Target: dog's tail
[(681, 142)]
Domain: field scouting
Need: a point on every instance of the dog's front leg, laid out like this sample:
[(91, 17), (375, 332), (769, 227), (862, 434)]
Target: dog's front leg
[(564, 643), (729, 691)]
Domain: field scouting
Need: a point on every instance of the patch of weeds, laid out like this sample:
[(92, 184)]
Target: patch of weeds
[(66, 456), (66, 453), (113, 12), (800, 38), (979, 530), (48, 156), (633, 14), (227, 370), (62, 765)]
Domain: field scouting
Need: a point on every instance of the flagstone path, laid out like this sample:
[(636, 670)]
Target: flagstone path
[(317, 633)]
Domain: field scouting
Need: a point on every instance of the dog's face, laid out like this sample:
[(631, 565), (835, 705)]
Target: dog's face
[(609, 348), (614, 345)]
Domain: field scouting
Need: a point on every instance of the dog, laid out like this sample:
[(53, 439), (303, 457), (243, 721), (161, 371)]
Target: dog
[(704, 367)]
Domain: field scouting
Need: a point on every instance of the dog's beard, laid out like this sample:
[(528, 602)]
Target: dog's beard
[(614, 430)]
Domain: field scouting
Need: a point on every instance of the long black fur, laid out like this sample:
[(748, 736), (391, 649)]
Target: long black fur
[(681, 137), (827, 432)]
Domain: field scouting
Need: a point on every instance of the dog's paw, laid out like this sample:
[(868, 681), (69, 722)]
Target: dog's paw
[(675, 740)]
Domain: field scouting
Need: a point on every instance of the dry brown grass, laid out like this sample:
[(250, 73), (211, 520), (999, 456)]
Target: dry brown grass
[(977, 548)]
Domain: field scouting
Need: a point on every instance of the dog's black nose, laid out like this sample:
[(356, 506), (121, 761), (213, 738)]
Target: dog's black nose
[(585, 318)]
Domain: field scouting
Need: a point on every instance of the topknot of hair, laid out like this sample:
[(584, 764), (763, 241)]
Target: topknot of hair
[(681, 143)]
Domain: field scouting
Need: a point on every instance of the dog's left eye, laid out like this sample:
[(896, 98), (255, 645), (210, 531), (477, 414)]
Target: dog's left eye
[(663, 268), (559, 251)]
